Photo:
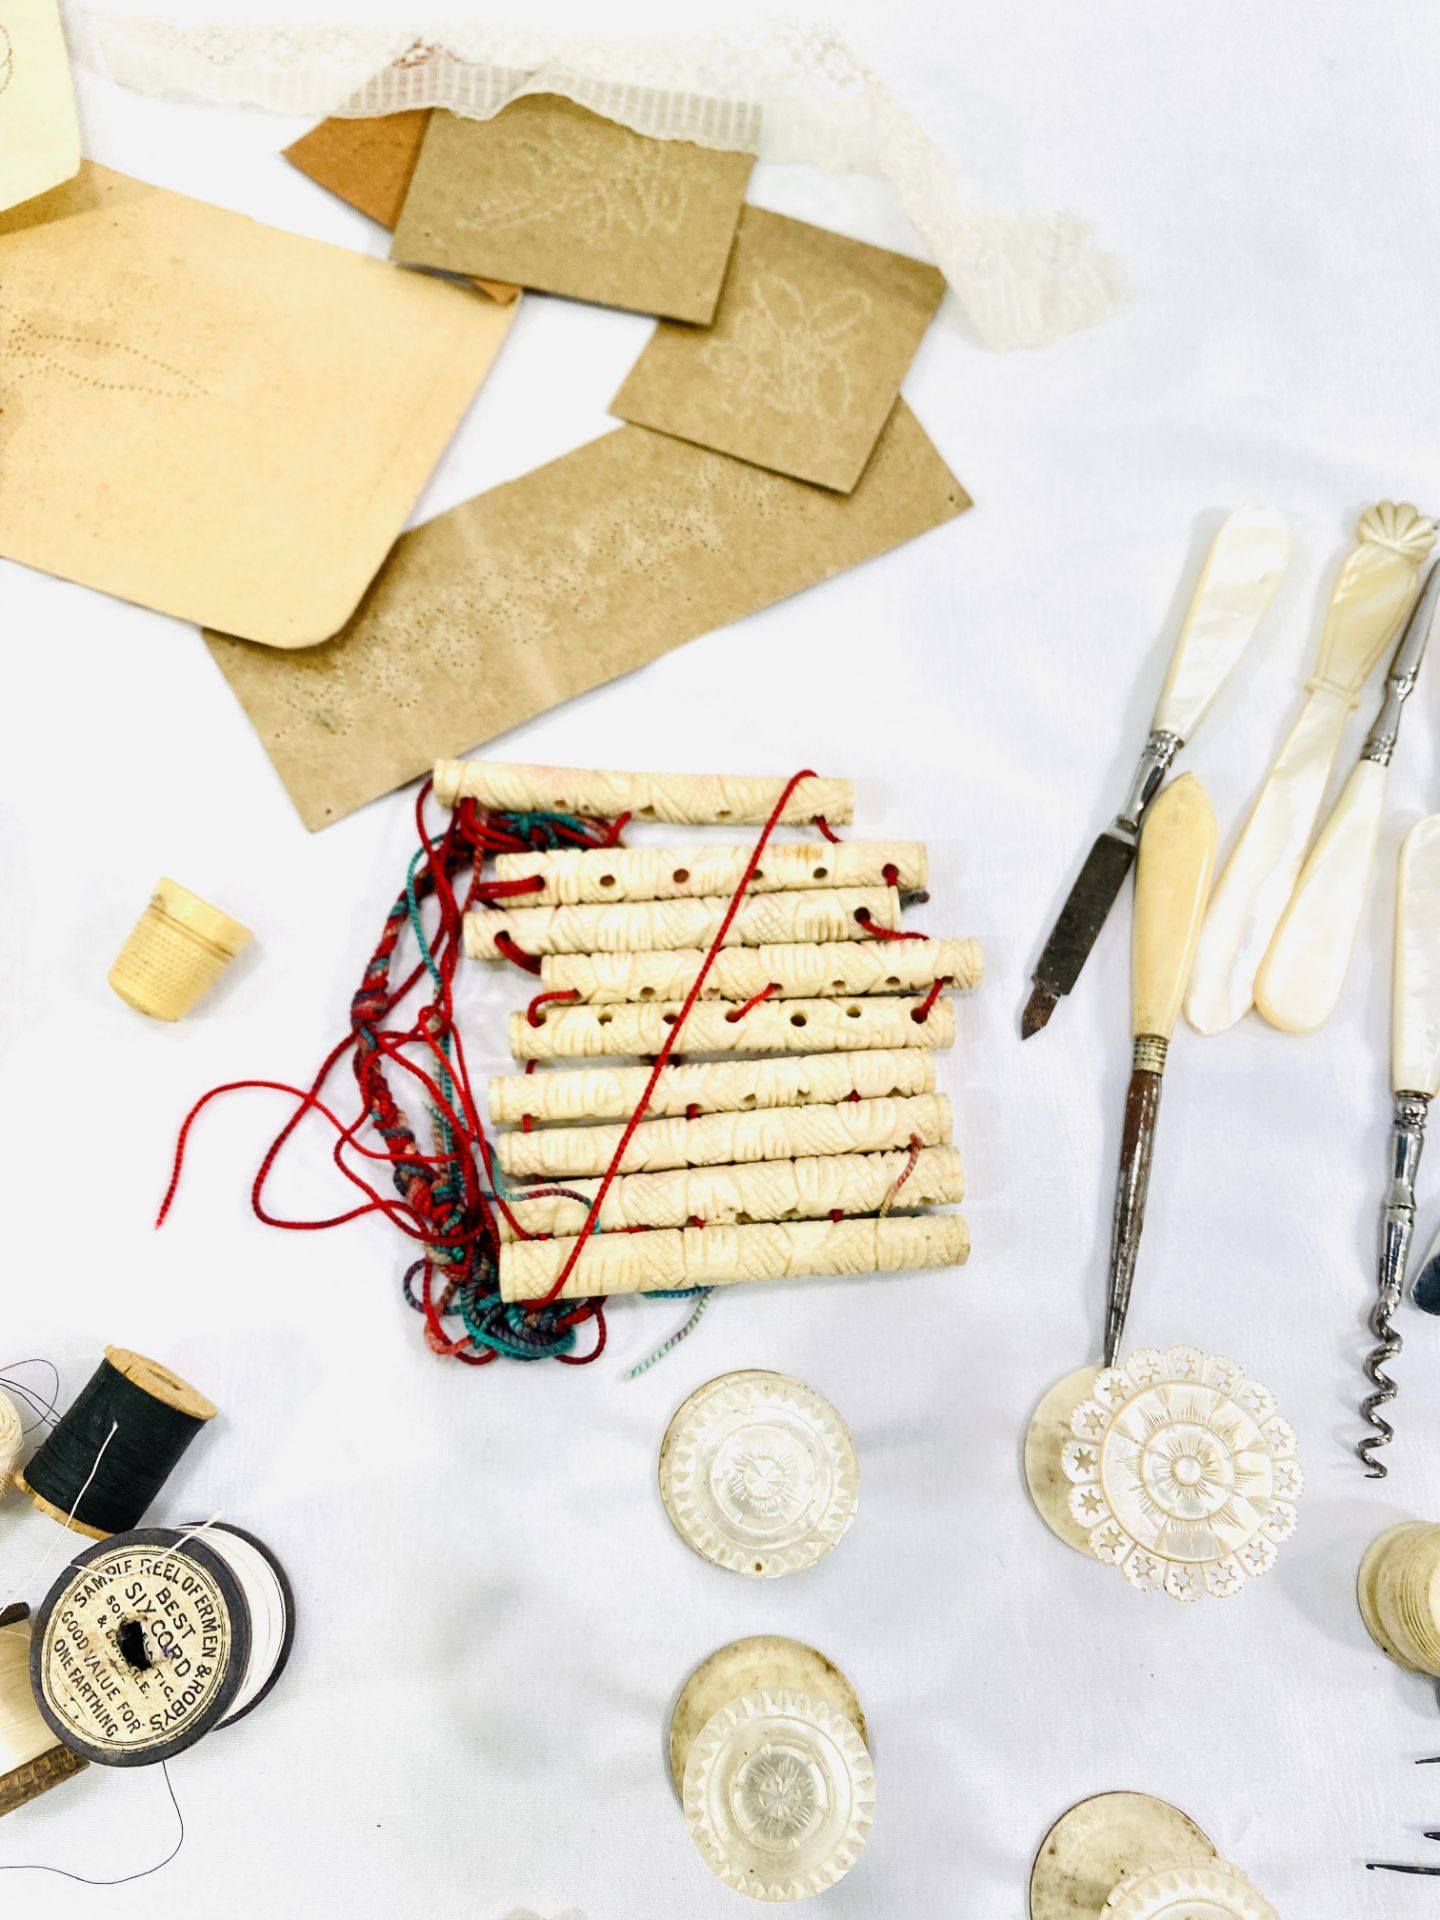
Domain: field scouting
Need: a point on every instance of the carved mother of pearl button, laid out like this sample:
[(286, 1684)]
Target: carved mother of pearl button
[(758, 1473), (1214, 1892), (779, 1794), (1172, 1466)]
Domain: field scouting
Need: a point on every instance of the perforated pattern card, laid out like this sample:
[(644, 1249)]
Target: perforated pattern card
[(803, 363), (367, 163), (559, 581), (552, 196), (214, 418), (39, 134)]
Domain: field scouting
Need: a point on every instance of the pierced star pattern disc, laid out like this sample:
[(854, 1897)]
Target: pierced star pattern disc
[(779, 1794), (758, 1473), (1183, 1474), (1215, 1892)]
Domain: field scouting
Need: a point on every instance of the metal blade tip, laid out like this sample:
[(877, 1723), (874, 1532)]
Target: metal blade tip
[(1038, 1009)]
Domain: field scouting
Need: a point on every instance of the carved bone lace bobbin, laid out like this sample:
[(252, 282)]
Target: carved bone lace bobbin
[(810, 1148)]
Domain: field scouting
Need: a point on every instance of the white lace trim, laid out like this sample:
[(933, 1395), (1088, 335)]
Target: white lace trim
[(788, 93)]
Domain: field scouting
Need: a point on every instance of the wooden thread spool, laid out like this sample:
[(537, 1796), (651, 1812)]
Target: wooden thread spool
[(12, 1439), (1399, 1595), (31, 1758), (150, 1639), (155, 1415), (768, 1754), (175, 952)]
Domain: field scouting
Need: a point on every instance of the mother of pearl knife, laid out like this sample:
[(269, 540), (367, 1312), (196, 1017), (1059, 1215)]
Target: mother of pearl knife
[(1301, 975), (1372, 597), (1249, 554)]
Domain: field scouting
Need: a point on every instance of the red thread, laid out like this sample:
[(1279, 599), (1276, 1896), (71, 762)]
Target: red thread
[(502, 889), (692, 1112), (890, 874), (824, 826), (529, 961), (739, 1013), (837, 1214), (694, 1221), (916, 1147), (874, 928), (537, 1019), (921, 1013), (527, 1123), (697, 987)]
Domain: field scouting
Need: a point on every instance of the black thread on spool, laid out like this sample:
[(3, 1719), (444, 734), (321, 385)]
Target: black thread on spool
[(150, 1436)]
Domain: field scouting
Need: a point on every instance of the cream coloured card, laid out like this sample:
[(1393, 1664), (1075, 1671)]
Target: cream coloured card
[(552, 196), (39, 134), (214, 418), (556, 582), (803, 363)]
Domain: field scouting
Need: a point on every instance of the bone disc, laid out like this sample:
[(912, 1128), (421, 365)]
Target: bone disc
[(1103, 1842), (758, 1474)]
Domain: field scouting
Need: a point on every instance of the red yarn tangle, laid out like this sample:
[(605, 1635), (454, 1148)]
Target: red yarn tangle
[(448, 1200)]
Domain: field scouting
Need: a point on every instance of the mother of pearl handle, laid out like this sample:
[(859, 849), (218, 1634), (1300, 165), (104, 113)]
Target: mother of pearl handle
[(1415, 1033), (1300, 978), (1374, 592), (1241, 573)]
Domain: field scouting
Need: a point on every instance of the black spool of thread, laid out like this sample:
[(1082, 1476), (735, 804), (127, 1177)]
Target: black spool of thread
[(155, 1415)]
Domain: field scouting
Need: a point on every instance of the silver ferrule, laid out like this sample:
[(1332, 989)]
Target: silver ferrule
[(1400, 681), (1149, 1053), (1154, 763), (1397, 1222)]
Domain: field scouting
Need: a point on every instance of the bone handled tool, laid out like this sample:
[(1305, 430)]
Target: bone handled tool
[(1172, 885), (1249, 554)]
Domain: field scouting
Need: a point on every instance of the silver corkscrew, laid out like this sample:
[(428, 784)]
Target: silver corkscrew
[(1415, 1079), (1397, 1230)]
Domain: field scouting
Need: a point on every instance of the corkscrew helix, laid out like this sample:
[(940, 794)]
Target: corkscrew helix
[(1415, 1079), (1397, 1230)]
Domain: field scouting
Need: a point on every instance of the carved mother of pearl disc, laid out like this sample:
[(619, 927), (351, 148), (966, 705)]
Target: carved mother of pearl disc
[(779, 1794), (758, 1473), (1215, 1892), (1182, 1473)]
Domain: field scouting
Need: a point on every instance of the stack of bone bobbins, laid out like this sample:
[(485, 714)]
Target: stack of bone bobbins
[(817, 1144)]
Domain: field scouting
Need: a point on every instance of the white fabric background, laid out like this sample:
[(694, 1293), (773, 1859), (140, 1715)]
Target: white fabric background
[(496, 1616)]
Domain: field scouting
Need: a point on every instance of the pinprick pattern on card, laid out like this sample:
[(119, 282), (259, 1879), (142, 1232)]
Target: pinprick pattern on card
[(792, 349), (644, 196), (803, 364), (89, 359), (7, 59)]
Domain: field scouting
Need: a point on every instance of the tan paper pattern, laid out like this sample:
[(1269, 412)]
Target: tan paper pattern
[(241, 458), (552, 196), (39, 133), (594, 875), (713, 1086), (718, 1256), (730, 1139), (808, 1189), (559, 581), (803, 363), (367, 163)]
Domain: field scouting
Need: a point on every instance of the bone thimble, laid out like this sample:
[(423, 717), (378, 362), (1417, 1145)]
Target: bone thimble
[(175, 952)]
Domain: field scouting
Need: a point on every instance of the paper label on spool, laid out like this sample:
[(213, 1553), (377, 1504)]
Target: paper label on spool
[(139, 1649)]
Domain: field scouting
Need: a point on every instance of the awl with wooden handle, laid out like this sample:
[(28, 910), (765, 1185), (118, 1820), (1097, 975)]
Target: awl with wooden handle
[(1246, 560), (1172, 885), (1300, 978)]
